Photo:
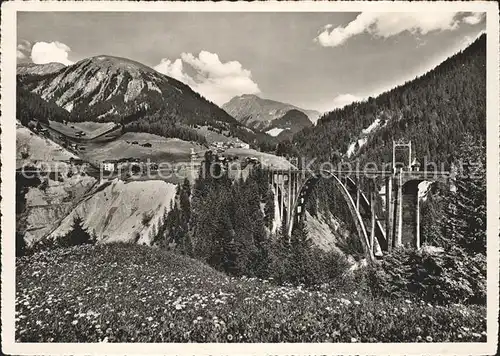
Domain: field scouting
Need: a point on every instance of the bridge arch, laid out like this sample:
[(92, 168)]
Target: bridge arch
[(411, 186), (305, 190)]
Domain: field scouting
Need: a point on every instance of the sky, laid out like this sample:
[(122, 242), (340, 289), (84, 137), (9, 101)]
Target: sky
[(312, 60)]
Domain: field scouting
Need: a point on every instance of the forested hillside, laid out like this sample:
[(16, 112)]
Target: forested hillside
[(287, 125), (30, 106), (434, 111)]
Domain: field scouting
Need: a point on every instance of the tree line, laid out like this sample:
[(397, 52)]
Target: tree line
[(31, 107), (227, 224)]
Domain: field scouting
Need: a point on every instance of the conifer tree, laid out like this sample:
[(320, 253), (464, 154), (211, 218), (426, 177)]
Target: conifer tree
[(20, 244), (269, 209), (465, 223), (77, 235), (431, 219)]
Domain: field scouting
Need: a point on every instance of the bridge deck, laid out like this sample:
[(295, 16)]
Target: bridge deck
[(417, 174)]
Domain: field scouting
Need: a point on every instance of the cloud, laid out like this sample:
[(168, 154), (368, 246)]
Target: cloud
[(216, 80), (23, 49), (345, 99), (467, 40), (388, 24), (44, 52), (173, 69), (474, 18)]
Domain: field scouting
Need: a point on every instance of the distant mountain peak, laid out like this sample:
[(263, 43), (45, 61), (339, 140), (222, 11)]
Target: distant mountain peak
[(259, 113), (108, 61), (38, 69)]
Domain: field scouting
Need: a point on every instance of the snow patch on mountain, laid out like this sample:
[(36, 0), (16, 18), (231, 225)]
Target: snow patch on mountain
[(372, 127), (107, 113), (275, 132), (69, 106), (423, 188), (153, 86), (351, 149), (134, 88), (363, 136)]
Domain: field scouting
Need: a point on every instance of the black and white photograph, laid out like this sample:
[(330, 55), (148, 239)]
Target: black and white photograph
[(291, 179)]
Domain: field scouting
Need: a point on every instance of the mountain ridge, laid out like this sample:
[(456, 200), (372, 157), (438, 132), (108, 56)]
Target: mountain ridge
[(38, 69), (289, 124), (108, 88), (449, 102), (259, 113)]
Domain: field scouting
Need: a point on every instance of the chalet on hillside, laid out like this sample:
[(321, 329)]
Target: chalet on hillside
[(109, 165)]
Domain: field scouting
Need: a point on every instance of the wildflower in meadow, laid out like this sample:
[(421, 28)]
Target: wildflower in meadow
[(428, 338), (345, 301), (230, 337)]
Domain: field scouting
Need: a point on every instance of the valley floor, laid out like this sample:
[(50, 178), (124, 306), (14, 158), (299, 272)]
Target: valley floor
[(131, 293)]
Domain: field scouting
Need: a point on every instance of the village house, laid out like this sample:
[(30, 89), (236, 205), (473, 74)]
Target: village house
[(109, 165)]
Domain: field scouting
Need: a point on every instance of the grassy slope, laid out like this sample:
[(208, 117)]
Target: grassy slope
[(46, 207), (162, 150), (38, 148), (131, 293), (92, 129), (266, 159)]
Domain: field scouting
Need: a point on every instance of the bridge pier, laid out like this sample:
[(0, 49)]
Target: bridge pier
[(399, 203), (417, 213), (372, 212), (282, 197), (358, 193), (389, 212)]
